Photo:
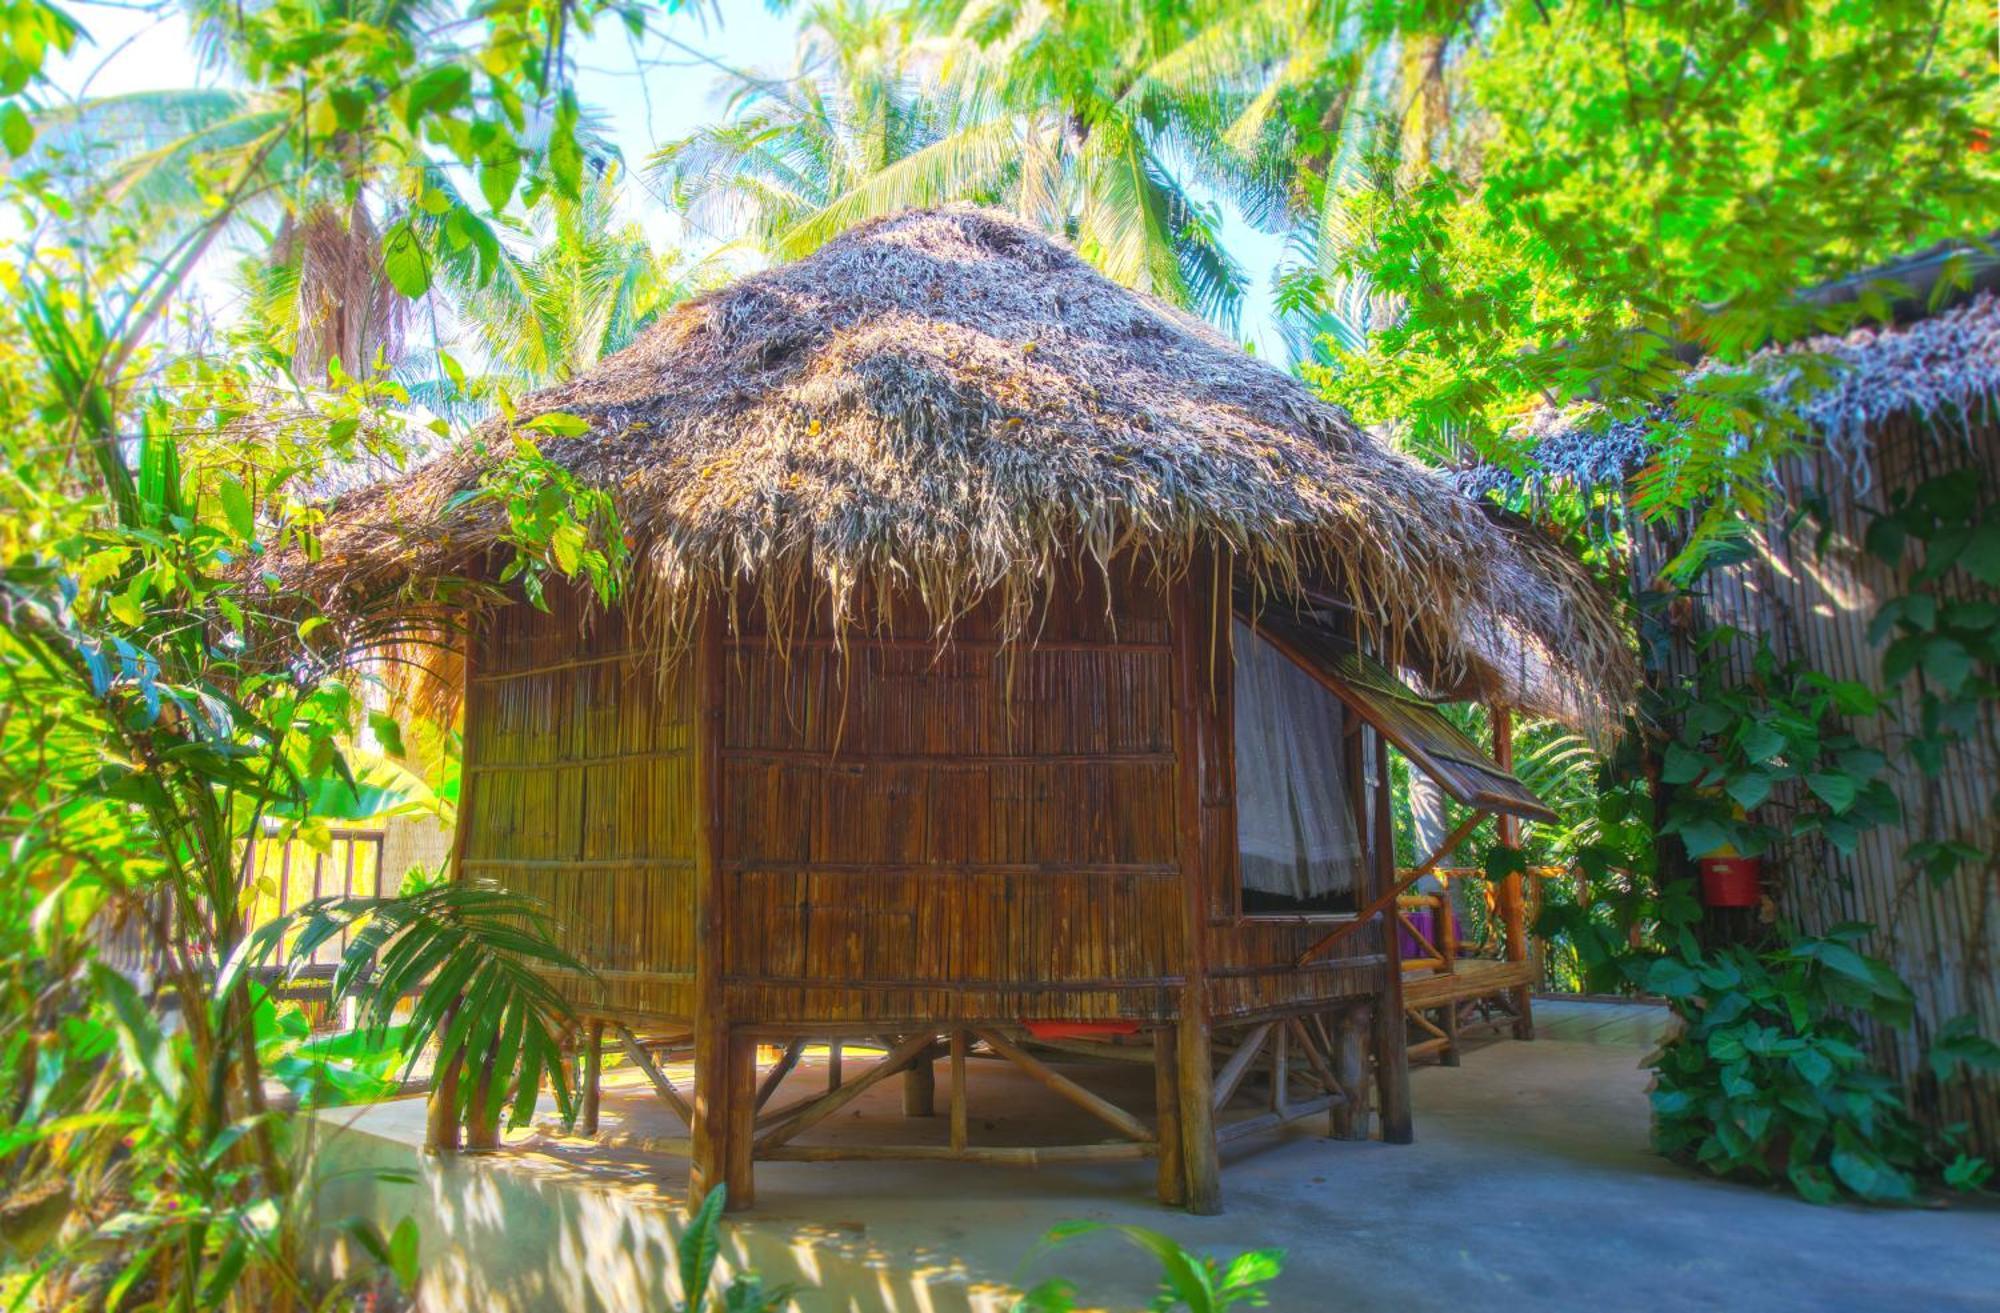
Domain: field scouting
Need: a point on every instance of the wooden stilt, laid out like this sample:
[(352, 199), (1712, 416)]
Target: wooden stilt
[(779, 1070), (1392, 1046), (833, 1066), (740, 1148), (593, 1076), (1448, 1055), (1172, 1183), (1200, 1158), (920, 1087), (959, 1115), (1349, 1120), (1513, 904), (708, 1126)]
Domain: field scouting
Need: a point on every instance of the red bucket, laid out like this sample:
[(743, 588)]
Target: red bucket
[(1730, 881)]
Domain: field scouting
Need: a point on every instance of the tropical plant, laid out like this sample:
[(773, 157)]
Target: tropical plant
[(699, 1247), (1626, 188), (1190, 1281)]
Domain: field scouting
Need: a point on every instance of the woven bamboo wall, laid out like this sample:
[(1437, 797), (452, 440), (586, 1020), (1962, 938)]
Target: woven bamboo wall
[(904, 834), (579, 790), (1945, 941), (979, 833)]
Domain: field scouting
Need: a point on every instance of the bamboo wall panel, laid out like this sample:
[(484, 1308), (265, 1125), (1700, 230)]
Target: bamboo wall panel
[(1945, 940), (973, 832), (580, 793)]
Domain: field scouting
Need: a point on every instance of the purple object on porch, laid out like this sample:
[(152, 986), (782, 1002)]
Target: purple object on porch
[(1425, 920)]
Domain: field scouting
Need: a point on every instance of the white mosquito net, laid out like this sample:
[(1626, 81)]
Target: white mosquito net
[(1295, 830)]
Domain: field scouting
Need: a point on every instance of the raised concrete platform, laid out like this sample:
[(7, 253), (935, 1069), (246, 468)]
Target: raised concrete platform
[(1530, 1185)]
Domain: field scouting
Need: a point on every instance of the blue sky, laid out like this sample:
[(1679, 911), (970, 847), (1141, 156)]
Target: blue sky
[(649, 93)]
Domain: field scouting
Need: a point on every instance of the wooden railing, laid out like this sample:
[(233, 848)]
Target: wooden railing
[(1449, 971)]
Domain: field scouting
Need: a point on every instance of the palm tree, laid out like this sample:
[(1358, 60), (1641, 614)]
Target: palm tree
[(1119, 125), (587, 285)]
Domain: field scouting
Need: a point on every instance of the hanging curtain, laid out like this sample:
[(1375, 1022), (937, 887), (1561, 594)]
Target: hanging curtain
[(1295, 831)]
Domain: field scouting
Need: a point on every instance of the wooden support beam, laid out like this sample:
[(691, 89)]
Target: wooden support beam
[(1172, 1181), (1281, 1069), (960, 1117), (709, 1119), (833, 1055), (593, 1077), (779, 1070), (643, 1060), (1238, 1066), (1200, 1158), (1513, 914), (920, 1086), (1315, 1059), (739, 1168), (1265, 1121), (1101, 1108), (1349, 1120), (827, 1104), (1396, 888), (1392, 1053)]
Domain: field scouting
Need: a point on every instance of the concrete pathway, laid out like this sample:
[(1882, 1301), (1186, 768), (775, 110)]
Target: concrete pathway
[(1530, 1187)]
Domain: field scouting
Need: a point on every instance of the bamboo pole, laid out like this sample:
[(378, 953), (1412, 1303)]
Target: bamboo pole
[(1392, 1054), (1201, 1159), (593, 1077), (1172, 1177), (959, 1114), (1350, 1120), (1096, 1105), (1512, 908), (710, 1123)]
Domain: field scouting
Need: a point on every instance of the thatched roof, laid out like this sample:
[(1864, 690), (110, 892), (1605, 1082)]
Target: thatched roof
[(944, 403), (1943, 367)]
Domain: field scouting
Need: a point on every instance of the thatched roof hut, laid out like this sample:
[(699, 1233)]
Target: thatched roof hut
[(1010, 668), (946, 403)]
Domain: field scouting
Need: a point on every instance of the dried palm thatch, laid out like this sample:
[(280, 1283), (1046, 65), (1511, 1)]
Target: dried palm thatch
[(947, 405)]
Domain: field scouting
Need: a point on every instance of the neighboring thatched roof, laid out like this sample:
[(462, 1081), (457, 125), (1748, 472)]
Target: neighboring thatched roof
[(1943, 367), (944, 403)]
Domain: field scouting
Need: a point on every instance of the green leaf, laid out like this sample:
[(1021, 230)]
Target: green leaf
[(1835, 790), (1981, 556), (16, 132), (498, 174), (1669, 977), (559, 424), (405, 262), (439, 88), (388, 732), (1759, 741), (1683, 765), (565, 155), (1748, 789), (236, 508)]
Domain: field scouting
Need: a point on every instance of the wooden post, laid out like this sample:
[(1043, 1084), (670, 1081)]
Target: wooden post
[(442, 1132), (959, 1114), (833, 1066), (593, 1076), (739, 1170), (1392, 1045), (920, 1086), (1512, 914), (1172, 1182), (1201, 1161), (714, 1067), (1350, 1120)]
